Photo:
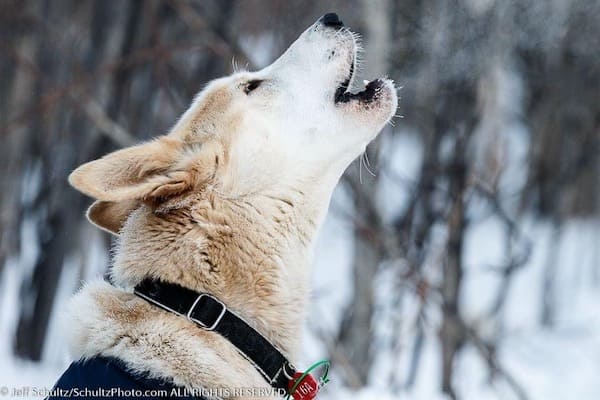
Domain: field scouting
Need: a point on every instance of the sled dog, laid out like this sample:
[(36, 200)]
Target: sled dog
[(221, 214)]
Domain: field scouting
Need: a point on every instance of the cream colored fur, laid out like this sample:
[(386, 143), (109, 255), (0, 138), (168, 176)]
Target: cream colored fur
[(228, 203)]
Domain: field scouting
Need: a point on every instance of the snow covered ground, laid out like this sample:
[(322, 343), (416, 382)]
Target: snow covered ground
[(558, 363), (555, 363)]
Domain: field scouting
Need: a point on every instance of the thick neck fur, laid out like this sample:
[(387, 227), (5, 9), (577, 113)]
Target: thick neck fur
[(253, 252)]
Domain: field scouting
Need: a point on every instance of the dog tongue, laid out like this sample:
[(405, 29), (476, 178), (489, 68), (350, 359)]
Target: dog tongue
[(306, 390)]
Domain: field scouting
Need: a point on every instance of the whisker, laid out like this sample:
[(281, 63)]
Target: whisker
[(368, 164), (360, 163), (367, 159)]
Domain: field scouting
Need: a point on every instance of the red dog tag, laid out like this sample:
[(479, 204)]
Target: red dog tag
[(307, 389)]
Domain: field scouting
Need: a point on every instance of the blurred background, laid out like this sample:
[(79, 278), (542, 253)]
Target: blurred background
[(460, 259)]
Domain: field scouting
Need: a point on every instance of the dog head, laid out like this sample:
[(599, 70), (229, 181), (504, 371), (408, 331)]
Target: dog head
[(291, 124)]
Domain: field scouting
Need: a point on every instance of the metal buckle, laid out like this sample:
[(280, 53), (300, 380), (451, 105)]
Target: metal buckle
[(202, 324), (288, 375)]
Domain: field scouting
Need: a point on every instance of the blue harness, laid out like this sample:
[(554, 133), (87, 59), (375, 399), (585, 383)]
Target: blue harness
[(103, 377)]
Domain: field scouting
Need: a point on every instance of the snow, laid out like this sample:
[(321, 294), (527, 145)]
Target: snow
[(549, 363), (18, 373), (555, 363)]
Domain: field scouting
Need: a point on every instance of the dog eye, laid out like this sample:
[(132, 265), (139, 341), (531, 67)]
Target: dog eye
[(251, 85)]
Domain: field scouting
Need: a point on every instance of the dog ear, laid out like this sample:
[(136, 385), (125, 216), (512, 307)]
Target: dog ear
[(111, 215), (154, 171)]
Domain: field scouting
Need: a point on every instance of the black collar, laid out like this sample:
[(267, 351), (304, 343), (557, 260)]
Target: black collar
[(211, 314)]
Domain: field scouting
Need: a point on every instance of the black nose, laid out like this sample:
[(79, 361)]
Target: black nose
[(331, 19)]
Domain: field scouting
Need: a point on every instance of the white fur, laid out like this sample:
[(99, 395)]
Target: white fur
[(247, 180)]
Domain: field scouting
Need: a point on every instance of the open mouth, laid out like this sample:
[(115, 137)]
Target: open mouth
[(344, 95)]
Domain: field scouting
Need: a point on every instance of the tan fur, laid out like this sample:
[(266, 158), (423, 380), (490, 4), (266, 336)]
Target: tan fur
[(247, 251), (111, 215), (227, 204), (114, 323)]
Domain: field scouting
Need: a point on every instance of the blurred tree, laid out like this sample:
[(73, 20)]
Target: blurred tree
[(356, 334)]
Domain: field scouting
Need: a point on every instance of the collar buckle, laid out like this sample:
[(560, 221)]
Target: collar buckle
[(289, 374), (209, 313), (202, 324)]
